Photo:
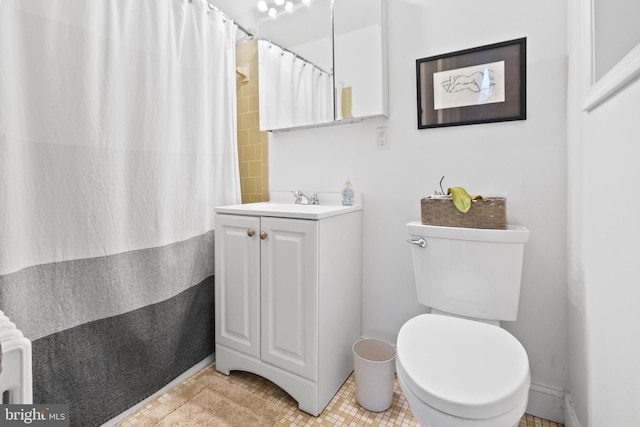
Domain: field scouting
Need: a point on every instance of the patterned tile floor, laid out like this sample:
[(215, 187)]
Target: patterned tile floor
[(342, 411)]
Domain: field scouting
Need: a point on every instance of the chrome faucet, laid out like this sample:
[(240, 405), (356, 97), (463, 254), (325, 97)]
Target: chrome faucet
[(303, 198), (314, 200), (299, 195)]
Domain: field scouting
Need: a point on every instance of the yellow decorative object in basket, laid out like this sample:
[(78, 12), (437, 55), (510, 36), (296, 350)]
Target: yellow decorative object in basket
[(486, 212)]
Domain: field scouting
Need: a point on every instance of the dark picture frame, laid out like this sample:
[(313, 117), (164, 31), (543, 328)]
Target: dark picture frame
[(479, 85)]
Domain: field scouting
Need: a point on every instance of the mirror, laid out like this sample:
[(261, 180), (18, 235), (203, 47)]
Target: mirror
[(360, 46), (322, 62), (295, 65)]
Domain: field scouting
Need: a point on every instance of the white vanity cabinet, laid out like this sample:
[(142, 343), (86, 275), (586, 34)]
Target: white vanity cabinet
[(288, 297)]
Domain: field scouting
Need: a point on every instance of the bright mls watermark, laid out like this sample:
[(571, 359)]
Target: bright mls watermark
[(34, 415)]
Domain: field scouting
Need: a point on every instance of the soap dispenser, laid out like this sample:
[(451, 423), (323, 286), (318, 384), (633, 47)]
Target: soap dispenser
[(347, 194)]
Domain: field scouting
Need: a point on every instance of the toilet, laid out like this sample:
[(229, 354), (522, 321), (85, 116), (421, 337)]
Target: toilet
[(456, 366)]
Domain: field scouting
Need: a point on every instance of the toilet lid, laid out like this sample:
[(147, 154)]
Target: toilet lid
[(462, 367)]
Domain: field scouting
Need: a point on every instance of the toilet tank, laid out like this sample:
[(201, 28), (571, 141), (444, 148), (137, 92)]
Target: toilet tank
[(469, 272)]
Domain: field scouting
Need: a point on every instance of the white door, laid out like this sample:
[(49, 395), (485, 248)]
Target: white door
[(237, 283), (289, 276)]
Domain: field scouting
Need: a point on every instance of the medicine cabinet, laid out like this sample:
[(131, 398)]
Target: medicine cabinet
[(323, 64)]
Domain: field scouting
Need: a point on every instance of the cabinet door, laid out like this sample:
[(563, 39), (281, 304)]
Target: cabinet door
[(237, 279), (289, 295)]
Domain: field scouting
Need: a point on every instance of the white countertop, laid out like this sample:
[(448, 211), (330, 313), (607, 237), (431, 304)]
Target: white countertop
[(282, 205)]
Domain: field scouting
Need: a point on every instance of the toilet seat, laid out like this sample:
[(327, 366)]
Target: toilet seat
[(461, 367)]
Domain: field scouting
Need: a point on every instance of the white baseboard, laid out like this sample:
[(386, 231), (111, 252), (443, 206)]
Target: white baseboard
[(546, 402), (570, 416), (179, 380)]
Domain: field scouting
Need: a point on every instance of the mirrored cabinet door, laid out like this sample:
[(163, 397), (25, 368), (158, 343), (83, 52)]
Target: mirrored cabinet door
[(295, 65), (360, 56)]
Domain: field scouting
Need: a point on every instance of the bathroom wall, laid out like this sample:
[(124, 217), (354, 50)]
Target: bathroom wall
[(253, 147), (603, 248), (523, 160)]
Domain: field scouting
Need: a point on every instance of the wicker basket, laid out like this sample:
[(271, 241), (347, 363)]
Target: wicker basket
[(488, 213)]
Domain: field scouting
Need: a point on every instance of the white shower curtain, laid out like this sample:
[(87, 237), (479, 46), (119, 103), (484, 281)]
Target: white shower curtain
[(117, 126), (117, 141), (293, 92)]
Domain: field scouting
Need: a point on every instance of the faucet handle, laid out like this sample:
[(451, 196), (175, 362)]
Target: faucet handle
[(298, 195), (314, 200)]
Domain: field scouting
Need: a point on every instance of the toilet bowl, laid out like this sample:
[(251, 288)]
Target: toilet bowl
[(462, 373)]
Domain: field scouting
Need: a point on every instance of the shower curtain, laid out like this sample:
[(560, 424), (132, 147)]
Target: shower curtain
[(293, 92), (117, 140)]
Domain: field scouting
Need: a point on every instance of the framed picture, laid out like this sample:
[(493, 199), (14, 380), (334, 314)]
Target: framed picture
[(480, 85)]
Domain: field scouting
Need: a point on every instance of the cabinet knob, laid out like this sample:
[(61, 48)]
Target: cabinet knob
[(263, 235), (251, 232)]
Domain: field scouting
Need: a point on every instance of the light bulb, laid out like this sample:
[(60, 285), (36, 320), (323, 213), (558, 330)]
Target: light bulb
[(273, 12), (279, 2), (306, 2), (262, 6), (288, 6)]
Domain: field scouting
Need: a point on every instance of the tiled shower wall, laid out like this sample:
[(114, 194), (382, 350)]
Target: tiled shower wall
[(253, 147)]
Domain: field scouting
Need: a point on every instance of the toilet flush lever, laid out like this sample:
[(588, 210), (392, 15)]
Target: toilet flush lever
[(420, 242)]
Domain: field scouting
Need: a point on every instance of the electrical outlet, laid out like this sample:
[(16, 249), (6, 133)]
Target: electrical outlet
[(382, 138)]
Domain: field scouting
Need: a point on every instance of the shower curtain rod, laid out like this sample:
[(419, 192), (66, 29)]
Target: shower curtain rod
[(295, 54), (251, 36), (240, 27)]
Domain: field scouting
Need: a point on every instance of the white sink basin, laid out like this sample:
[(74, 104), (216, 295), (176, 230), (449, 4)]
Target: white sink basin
[(280, 208)]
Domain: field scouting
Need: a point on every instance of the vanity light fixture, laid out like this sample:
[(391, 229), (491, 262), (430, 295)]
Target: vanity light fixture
[(274, 7)]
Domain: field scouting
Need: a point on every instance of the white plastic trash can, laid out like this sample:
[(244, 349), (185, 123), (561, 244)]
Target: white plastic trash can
[(374, 366)]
